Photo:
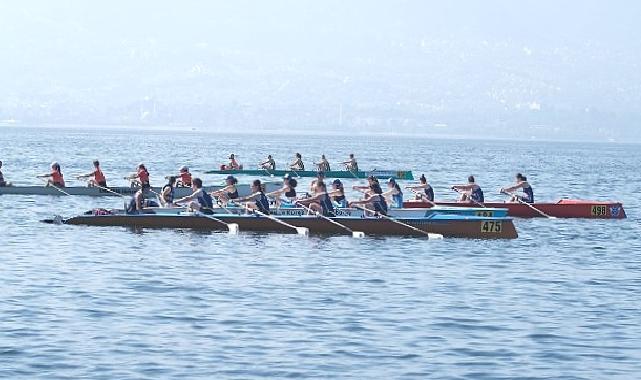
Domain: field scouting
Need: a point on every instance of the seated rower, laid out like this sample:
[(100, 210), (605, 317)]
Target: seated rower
[(140, 178), (320, 176), (232, 165), (55, 177), (297, 165), (471, 193), (227, 193), (323, 164), (3, 183), (321, 202), (370, 180), (338, 194), (286, 195), (351, 164), (139, 201), (428, 192), (374, 200), (268, 164), (394, 194), (199, 200), (167, 193), (98, 179), (184, 177), (258, 199), (521, 183)]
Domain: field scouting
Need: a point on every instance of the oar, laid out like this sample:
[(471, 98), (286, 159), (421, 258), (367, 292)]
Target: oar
[(429, 235), (299, 230), (54, 186), (355, 234), (104, 188), (529, 205), (231, 227)]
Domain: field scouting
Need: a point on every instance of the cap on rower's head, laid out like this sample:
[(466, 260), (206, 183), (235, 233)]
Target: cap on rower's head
[(183, 169), (231, 178), (337, 182)]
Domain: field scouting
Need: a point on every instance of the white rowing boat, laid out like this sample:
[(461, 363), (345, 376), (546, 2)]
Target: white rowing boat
[(243, 190)]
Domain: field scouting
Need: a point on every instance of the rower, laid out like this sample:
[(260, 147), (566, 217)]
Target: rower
[(323, 165), (471, 192), (338, 194), (370, 180), (140, 177), (258, 199), (139, 201), (321, 201), (227, 193), (199, 200), (374, 199), (268, 164), (428, 191), (297, 165), (184, 175), (55, 177), (521, 183), (98, 179), (232, 165), (286, 195), (351, 164), (3, 183), (167, 193), (320, 177), (394, 193)]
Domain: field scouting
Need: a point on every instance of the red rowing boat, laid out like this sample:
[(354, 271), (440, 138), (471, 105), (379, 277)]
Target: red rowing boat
[(565, 208)]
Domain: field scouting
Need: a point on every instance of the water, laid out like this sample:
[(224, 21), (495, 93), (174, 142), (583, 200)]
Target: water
[(561, 302)]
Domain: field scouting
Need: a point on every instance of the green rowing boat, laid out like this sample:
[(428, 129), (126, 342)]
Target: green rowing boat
[(382, 174)]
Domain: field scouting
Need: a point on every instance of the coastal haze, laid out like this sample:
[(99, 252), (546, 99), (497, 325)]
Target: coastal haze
[(532, 69)]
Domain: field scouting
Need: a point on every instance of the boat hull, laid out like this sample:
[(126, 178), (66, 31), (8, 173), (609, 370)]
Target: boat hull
[(446, 225), (398, 174), (561, 209), (243, 190)]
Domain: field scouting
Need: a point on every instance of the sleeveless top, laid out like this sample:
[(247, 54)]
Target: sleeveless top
[(529, 194), (185, 178), (262, 203), (99, 177), (477, 195), (326, 205), (398, 198), (169, 198), (429, 193), (323, 166), (299, 164), (205, 200), (57, 179), (232, 194), (291, 193), (143, 176), (379, 204)]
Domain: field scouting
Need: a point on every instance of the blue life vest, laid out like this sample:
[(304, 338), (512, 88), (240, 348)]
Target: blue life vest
[(429, 193), (262, 203), (326, 205), (477, 195)]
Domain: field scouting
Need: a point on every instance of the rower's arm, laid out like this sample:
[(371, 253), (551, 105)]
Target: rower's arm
[(512, 188)]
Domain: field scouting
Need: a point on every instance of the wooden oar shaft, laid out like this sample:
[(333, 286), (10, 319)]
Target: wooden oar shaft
[(54, 186), (422, 198), (268, 216), (107, 189), (327, 219), (528, 205)]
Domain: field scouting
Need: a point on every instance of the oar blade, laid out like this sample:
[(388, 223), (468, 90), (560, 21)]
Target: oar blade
[(233, 228), (303, 231), (432, 236), (358, 234)]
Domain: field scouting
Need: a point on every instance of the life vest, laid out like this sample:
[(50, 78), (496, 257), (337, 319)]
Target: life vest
[(262, 203), (99, 177), (185, 178), (57, 178), (429, 193), (143, 176), (477, 195)]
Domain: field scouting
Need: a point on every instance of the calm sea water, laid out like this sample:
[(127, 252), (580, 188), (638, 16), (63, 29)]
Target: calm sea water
[(561, 302)]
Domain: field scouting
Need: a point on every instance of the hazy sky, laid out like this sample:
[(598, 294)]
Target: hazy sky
[(567, 54)]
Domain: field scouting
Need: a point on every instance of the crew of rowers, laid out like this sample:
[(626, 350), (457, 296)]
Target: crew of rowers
[(297, 164), (320, 198)]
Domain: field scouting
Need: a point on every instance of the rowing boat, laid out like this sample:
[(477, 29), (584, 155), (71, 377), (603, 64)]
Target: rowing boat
[(383, 174), (454, 226), (565, 208), (243, 190)]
